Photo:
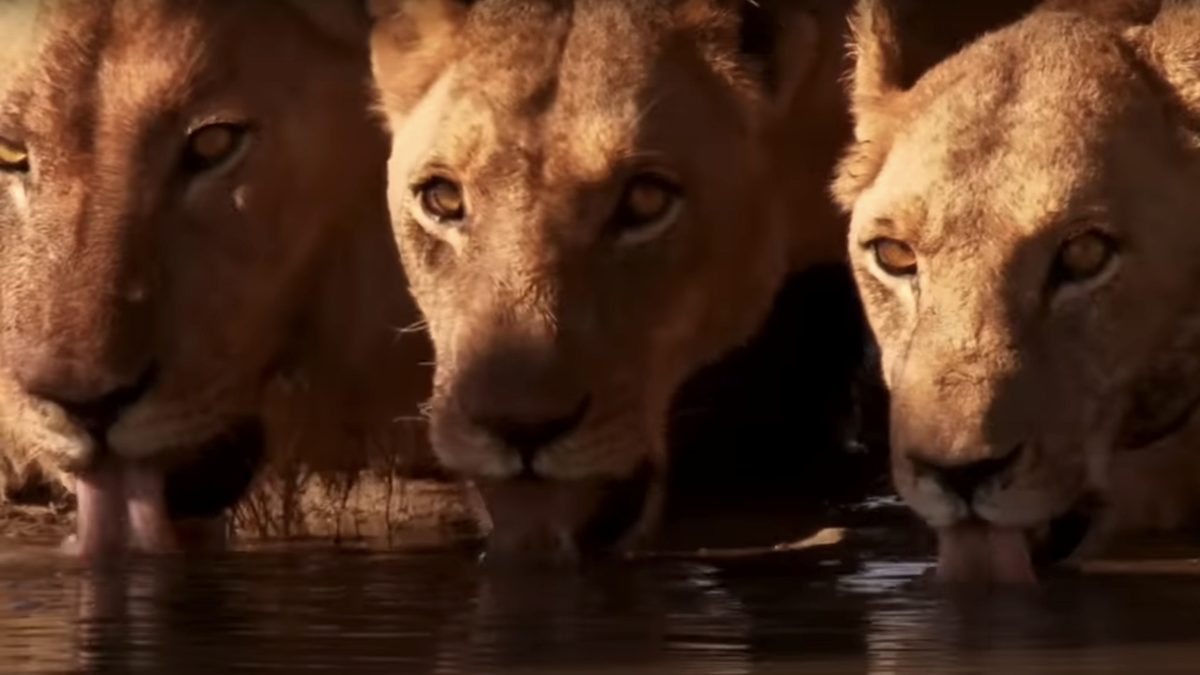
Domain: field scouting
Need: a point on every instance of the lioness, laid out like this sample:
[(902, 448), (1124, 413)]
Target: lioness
[(192, 207), (1023, 219), (588, 211)]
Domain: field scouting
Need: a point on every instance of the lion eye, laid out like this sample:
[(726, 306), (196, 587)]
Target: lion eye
[(442, 200), (13, 156), (1084, 256), (213, 145), (648, 207), (894, 257)]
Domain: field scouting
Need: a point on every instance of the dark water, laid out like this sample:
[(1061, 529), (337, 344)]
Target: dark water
[(831, 610)]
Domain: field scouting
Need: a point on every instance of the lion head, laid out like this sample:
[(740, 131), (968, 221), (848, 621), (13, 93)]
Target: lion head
[(1023, 237), (192, 203), (587, 212)]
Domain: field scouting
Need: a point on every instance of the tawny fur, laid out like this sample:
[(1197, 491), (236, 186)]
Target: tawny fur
[(542, 110), (1081, 115), (269, 290)]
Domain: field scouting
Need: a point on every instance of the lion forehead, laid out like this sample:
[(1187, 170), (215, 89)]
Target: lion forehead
[(84, 62), (1004, 137), (578, 86)]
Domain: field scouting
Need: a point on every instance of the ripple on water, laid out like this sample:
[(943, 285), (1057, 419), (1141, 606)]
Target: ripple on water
[(287, 611)]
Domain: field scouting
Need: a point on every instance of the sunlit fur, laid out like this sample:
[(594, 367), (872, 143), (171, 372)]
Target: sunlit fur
[(542, 110), (1063, 122), (279, 270)]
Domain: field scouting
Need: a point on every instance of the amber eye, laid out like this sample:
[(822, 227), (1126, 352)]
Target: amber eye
[(894, 257), (648, 207), (442, 200), (1084, 256), (212, 145), (13, 156)]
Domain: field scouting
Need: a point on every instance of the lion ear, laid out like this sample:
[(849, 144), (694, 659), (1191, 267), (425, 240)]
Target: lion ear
[(778, 42), (877, 77), (878, 54), (786, 41), (895, 42), (412, 42), (1170, 43)]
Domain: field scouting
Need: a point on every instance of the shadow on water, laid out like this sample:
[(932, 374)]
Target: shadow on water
[(841, 609)]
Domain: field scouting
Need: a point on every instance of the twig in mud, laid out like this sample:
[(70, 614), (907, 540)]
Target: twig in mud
[(829, 536)]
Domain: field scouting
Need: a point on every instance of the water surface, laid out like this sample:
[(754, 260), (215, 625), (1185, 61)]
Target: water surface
[(840, 609)]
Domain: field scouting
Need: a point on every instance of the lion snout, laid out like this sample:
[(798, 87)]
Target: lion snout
[(965, 478), (522, 401), (526, 429), (94, 396)]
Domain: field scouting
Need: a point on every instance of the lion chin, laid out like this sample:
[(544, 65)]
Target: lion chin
[(974, 551), (534, 519), (555, 503), (127, 506), (1005, 529)]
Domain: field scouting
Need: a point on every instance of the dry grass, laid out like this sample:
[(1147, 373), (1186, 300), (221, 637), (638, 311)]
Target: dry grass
[(368, 506), (380, 509), (35, 523)]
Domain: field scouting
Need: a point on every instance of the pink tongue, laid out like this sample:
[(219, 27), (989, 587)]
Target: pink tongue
[(100, 520), (537, 519), (121, 507), (149, 525), (981, 553)]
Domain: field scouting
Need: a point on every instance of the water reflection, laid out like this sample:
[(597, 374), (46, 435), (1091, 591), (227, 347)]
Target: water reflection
[(287, 611), (614, 620), (1095, 624)]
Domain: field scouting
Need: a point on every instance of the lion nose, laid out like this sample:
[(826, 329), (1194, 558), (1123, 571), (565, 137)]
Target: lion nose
[(964, 479), (527, 429), (94, 402)]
